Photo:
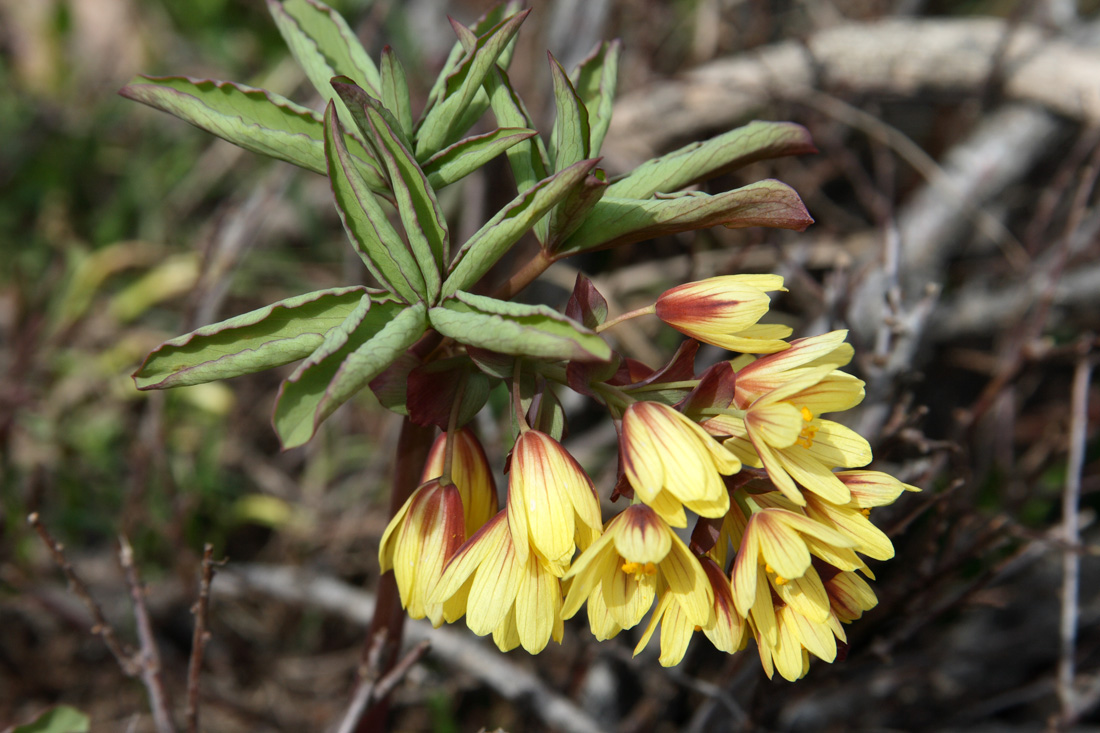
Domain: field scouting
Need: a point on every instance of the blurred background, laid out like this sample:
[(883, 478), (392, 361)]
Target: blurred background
[(956, 237)]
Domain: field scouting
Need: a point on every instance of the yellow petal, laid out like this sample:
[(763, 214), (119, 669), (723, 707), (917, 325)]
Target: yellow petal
[(808, 471), (778, 424), (837, 446), (538, 604), (688, 582), (628, 596), (641, 536)]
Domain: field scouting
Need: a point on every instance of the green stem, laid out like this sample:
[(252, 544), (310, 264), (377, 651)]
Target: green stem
[(658, 386), (648, 310), (452, 425)]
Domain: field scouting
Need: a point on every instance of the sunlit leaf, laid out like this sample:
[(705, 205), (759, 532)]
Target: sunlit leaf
[(594, 80), (261, 339), (615, 221), (441, 125), (534, 331), (489, 243), (352, 354), (700, 161), (466, 156), (378, 244), (254, 119)]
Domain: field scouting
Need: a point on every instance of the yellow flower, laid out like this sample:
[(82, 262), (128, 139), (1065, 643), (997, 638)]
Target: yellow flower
[(420, 538), (727, 630), (771, 372), (517, 601), (550, 501), (672, 462), (851, 522), (637, 553), (873, 488), (782, 432), (796, 638), (724, 311), (849, 595), (470, 472), (777, 540)]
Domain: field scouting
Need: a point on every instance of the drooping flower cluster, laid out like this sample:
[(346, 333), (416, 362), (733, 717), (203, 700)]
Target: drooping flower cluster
[(785, 569)]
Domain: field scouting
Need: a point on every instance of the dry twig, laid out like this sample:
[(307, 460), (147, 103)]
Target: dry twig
[(148, 656), (1071, 558), (199, 639)]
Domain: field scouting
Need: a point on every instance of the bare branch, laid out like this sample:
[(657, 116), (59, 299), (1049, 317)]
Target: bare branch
[(1071, 560), (455, 648), (148, 656), (101, 627), (199, 638)]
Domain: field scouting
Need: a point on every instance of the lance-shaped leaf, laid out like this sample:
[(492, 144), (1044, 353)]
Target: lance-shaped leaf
[(379, 245), (395, 91), (700, 161), (254, 119), (529, 161), (467, 37), (615, 221), (323, 44), (417, 206), (356, 100), (595, 79), (571, 212), (434, 388), (466, 156), (440, 125), (569, 138), (261, 339), (534, 331), (354, 353), (489, 243)]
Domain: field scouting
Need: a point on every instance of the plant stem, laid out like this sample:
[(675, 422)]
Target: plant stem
[(524, 276), (647, 310), (389, 617)]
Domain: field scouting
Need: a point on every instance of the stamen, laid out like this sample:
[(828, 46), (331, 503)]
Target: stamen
[(806, 414), (638, 569), (806, 437)]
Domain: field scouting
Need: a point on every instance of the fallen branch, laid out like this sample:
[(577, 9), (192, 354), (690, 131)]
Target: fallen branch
[(457, 649), (896, 58)]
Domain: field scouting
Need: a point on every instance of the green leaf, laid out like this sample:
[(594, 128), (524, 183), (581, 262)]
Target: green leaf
[(356, 100), (534, 331), (549, 414), (421, 216), (572, 211), (395, 91), (568, 145), (324, 46), (489, 243), (700, 161), (529, 161), (440, 126), (266, 337), (464, 157), (254, 119), (615, 221), (569, 137), (595, 79), (353, 353), (467, 39), (62, 719), (378, 244)]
